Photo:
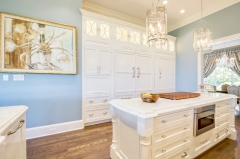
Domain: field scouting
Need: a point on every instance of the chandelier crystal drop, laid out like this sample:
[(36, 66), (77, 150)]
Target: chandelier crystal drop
[(156, 24), (202, 38), (225, 61)]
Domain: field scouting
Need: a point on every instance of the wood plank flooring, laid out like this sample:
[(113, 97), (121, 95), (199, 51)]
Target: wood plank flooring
[(94, 142)]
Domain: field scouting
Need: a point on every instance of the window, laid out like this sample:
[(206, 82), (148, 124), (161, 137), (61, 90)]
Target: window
[(222, 76)]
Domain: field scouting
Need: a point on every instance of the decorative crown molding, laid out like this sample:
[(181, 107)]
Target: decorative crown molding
[(110, 13), (207, 12)]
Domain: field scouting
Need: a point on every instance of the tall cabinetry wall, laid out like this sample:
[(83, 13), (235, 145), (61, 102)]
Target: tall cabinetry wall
[(118, 64)]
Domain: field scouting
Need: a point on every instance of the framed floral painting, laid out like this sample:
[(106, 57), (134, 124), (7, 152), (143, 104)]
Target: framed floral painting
[(35, 46)]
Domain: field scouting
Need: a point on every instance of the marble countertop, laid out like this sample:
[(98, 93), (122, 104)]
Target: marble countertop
[(141, 109), (8, 113)]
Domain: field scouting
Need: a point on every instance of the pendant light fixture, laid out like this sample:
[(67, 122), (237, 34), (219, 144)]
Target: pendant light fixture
[(156, 24), (202, 38)]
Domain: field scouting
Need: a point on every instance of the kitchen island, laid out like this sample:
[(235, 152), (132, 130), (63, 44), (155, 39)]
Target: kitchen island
[(167, 128)]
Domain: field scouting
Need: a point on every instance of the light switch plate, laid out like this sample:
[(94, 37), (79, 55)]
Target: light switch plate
[(5, 77), (18, 77)]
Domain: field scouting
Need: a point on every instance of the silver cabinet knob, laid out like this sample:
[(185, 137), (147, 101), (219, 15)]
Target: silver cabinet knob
[(105, 100), (90, 114), (163, 151), (105, 113), (185, 140), (164, 136), (185, 128), (217, 136), (91, 101), (186, 115), (226, 130)]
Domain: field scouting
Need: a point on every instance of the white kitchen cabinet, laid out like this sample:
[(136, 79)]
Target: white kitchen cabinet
[(118, 64), (13, 132), (164, 74), (97, 28), (97, 61), (129, 35), (133, 72), (144, 73), (125, 72)]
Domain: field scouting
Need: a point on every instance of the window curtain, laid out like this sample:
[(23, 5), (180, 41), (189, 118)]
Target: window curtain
[(210, 61)]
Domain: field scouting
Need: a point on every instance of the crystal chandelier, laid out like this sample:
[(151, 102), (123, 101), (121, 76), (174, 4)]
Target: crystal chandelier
[(202, 38), (156, 24), (225, 61)]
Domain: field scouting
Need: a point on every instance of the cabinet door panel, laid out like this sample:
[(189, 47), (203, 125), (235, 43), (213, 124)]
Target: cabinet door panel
[(121, 34), (144, 71), (91, 27), (97, 85), (124, 62), (124, 82), (165, 71), (104, 30), (105, 62), (124, 72), (91, 60)]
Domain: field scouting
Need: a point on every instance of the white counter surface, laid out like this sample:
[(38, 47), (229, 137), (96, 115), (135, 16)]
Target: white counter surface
[(142, 109), (9, 113)]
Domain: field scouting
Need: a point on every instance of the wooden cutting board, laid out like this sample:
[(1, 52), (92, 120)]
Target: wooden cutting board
[(179, 95)]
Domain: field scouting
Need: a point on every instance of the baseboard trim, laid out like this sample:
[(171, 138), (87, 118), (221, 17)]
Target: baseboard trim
[(53, 129), (98, 122)]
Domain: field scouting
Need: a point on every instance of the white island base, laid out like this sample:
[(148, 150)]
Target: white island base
[(164, 130)]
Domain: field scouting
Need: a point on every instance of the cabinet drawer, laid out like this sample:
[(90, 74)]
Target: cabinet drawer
[(97, 114), (203, 141), (90, 101), (158, 137), (222, 104), (221, 111), (159, 140), (167, 121), (221, 132), (222, 119), (180, 152), (183, 154)]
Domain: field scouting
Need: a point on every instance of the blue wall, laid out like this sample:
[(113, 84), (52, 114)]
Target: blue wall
[(51, 99), (223, 23)]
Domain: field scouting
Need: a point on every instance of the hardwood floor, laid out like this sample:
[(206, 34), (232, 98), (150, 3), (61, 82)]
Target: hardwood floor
[(94, 142)]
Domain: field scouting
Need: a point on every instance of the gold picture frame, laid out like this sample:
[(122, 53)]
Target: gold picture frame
[(36, 46)]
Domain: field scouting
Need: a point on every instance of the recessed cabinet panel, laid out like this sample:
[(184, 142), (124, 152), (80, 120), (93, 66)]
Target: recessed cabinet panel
[(165, 74), (144, 82), (124, 82), (105, 62), (124, 62), (144, 71), (97, 85), (91, 60), (145, 63)]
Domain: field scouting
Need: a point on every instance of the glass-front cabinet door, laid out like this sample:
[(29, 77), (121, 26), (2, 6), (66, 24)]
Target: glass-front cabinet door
[(121, 34), (97, 28)]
